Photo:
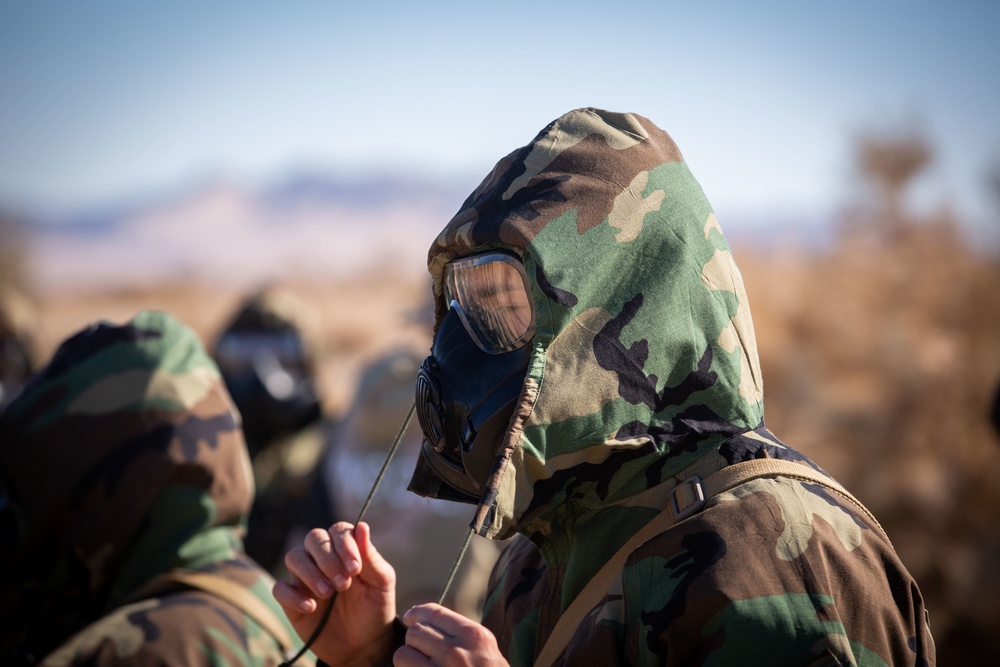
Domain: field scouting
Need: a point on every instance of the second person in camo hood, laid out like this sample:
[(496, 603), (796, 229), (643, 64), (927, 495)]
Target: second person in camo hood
[(123, 465)]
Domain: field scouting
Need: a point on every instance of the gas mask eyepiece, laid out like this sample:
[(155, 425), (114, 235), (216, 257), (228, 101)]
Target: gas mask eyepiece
[(467, 389)]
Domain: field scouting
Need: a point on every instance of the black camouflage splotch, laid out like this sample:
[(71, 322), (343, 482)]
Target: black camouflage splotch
[(530, 576), (494, 215), (141, 620), (72, 351), (633, 384), (742, 448), (110, 468), (514, 170), (16, 415), (196, 599), (89, 342), (565, 482), (701, 551), (683, 433), (560, 296)]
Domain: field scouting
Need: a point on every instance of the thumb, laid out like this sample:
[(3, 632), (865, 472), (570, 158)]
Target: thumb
[(377, 572)]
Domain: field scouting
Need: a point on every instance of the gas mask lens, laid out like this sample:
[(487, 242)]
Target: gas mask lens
[(492, 298), (240, 350)]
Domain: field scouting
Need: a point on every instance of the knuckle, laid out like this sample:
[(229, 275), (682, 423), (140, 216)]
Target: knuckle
[(293, 557), (317, 536), (341, 527), (477, 635)]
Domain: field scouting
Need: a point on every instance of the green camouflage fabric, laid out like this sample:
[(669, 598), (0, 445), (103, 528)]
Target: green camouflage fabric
[(121, 460), (643, 371)]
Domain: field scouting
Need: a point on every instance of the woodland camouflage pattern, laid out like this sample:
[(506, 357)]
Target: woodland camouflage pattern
[(644, 370), (124, 459)]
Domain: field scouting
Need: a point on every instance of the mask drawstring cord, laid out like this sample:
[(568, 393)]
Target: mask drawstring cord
[(388, 459), (364, 508), (458, 563)]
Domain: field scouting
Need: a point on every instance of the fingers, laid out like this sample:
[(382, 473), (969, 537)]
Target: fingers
[(340, 559), (335, 552), (292, 600), (329, 559), (325, 562), (427, 640), (377, 571), (450, 623), (446, 637)]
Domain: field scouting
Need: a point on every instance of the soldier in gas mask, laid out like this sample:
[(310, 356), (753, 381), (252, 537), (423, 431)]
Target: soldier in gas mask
[(269, 366), (594, 389)]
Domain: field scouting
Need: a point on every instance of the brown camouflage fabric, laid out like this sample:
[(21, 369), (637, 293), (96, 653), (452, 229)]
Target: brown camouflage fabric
[(644, 371), (121, 460)]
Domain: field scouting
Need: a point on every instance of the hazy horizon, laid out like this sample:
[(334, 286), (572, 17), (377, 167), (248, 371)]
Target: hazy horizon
[(111, 102)]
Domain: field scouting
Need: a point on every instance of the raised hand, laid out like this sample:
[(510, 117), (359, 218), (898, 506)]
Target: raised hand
[(341, 559)]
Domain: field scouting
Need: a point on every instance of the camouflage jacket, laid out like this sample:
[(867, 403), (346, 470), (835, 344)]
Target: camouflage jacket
[(123, 460), (644, 370)]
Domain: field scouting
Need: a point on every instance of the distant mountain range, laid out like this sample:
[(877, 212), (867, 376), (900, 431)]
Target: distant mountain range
[(304, 225)]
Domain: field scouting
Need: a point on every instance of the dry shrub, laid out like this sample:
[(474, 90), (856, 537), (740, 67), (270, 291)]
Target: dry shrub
[(881, 360)]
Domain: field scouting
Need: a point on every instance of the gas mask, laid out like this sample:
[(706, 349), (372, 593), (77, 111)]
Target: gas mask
[(468, 387), (269, 380)]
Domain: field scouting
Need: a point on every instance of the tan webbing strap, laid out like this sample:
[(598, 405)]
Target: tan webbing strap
[(597, 588), (734, 475), (231, 592), (696, 493)]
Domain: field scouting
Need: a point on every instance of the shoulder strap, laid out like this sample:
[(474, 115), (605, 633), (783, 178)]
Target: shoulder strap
[(686, 499), (227, 590)]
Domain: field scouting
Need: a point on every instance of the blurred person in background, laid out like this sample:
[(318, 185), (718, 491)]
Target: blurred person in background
[(420, 536), (18, 321), (995, 411), (268, 363), (126, 486), (594, 389)]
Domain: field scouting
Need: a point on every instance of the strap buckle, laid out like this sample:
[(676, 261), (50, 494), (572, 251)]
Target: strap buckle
[(694, 501)]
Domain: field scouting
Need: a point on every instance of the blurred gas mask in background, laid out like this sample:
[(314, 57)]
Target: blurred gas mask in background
[(468, 387), (268, 376)]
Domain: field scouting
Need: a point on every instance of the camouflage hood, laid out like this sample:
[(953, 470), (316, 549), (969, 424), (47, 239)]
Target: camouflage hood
[(644, 357), (123, 423)]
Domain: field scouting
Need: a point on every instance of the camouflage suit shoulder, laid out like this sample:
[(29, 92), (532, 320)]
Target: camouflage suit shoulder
[(776, 571), (183, 628)]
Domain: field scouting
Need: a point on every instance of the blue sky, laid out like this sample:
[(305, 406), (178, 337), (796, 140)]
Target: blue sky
[(105, 100)]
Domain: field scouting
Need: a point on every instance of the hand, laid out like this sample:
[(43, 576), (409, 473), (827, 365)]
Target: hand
[(439, 636), (341, 559)]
